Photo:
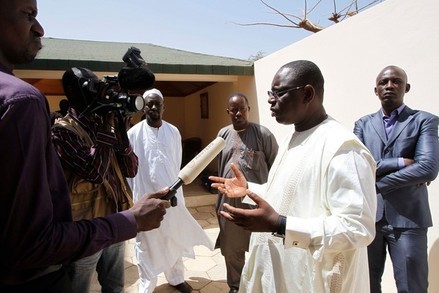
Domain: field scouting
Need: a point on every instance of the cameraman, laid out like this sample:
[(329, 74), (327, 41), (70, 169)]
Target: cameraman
[(96, 156)]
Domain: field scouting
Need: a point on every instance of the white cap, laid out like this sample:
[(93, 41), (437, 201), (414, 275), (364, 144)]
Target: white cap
[(153, 91)]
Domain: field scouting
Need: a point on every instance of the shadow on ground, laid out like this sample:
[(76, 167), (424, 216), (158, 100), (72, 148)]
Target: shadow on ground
[(200, 285)]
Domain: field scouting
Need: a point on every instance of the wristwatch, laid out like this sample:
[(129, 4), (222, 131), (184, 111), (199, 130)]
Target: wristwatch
[(281, 227)]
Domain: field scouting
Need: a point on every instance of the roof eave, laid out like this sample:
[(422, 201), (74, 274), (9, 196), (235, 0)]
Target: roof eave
[(52, 64)]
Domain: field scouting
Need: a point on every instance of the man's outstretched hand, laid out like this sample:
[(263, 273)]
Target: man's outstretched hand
[(262, 219), (150, 210), (231, 187)]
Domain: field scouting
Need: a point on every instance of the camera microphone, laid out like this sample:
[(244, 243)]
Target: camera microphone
[(136, 78), (195, 167)]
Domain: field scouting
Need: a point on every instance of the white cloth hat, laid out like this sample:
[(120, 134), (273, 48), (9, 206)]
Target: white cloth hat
[(153, 91)]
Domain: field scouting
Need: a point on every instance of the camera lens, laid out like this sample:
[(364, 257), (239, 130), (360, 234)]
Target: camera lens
[(138, 103)]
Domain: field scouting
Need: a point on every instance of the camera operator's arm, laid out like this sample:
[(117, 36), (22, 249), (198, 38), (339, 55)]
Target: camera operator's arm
[(88, 162), (126, 157)]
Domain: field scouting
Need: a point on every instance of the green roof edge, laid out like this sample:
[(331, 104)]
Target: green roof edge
[(51, 64)]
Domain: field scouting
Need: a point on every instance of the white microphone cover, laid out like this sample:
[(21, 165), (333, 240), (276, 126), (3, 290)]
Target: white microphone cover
[(197, 164)]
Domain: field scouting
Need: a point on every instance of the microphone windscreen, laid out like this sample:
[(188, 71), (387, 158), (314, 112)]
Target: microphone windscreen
[(136, 78), (197, 165)]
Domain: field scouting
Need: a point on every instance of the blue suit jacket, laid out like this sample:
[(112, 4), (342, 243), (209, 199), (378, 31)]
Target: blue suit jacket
[(402, 193)]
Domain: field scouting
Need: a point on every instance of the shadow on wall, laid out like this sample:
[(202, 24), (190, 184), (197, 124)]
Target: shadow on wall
[(433, 265)]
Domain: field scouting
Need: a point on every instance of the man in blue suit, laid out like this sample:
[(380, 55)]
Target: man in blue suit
[(404, 142)]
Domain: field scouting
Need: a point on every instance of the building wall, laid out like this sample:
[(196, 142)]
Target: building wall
[(173, 113), (350, 55), (54, 102)]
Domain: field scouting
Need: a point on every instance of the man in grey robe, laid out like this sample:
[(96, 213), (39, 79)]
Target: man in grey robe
[(253, 148)]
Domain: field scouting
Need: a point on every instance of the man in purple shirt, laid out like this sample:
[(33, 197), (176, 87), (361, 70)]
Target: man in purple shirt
[(37, 234), (404, 143)]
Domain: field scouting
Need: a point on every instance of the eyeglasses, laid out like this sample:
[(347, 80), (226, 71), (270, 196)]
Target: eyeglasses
[(277, 94)]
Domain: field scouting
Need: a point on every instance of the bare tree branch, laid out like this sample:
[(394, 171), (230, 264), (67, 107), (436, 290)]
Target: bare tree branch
[(281, 13), (268, 24), (314, 7), (303, 22), (309, 26)]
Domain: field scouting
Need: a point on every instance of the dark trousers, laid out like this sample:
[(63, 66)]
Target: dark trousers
[(234, 265), (408, 252), (56, 282)]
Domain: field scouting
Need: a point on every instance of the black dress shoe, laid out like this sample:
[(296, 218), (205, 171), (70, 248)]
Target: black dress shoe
[(184, 287), (233, 290)]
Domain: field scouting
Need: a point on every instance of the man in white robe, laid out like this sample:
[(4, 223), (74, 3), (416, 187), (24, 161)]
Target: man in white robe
[(157, 144), (319, 201)]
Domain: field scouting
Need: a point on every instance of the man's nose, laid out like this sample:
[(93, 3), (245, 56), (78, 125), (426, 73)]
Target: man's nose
[(390, 84), (38, 28)]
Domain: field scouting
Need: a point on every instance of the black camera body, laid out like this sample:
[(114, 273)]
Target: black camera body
[(132, 58), (111, 97), (112, 93)]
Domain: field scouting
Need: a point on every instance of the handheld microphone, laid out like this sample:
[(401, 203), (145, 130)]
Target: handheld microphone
[(194, 167), (136, 78)]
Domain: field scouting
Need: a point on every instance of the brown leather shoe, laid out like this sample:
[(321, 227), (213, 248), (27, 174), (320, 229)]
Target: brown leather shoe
[(183, 287)]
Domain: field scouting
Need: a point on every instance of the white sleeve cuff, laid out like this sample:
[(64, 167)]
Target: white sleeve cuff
[(297, 233)]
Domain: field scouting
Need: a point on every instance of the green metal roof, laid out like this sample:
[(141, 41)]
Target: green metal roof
[(60, 54)]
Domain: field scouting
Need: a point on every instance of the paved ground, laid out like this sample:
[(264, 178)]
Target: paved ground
[(206, 273)]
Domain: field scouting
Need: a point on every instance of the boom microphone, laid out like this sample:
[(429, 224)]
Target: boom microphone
[(195, 166), (136, 78)]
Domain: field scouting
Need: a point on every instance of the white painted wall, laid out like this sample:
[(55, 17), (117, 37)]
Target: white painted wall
[(351, 54)]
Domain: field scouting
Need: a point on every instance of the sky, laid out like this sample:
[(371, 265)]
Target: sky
[(202, 26)]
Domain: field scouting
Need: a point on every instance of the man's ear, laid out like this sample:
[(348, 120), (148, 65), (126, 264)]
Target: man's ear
[(248, 108), (407, 87), (375, 90), (309, 93)]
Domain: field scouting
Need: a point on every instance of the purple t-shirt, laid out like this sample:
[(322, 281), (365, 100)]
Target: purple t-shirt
[(36, 227)]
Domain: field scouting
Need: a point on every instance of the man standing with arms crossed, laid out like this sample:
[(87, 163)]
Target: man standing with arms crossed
[(253, 148), (404, 142)]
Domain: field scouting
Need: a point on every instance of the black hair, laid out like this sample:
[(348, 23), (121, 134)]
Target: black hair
[(306, 72), (236, 95)]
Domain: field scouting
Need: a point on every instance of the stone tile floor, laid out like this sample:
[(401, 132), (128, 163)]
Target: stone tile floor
[(206, 273)]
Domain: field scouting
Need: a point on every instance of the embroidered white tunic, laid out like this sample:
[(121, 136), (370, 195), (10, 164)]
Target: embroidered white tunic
[(160, 152), (323, 180)]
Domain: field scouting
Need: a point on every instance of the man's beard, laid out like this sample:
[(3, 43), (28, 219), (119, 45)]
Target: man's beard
[(154, 117)]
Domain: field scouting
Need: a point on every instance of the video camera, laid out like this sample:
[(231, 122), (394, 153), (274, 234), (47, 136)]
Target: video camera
[(112, 93)]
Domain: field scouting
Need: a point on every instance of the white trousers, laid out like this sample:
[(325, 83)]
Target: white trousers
[(148, 281)]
